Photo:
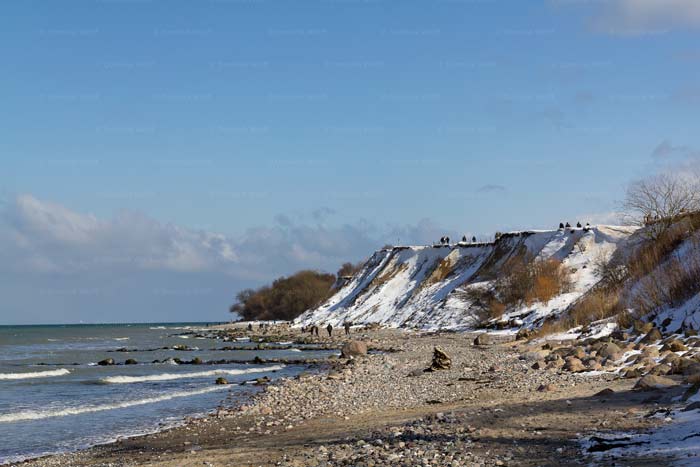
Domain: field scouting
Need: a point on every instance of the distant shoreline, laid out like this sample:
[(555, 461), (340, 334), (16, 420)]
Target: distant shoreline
[(156, 323)]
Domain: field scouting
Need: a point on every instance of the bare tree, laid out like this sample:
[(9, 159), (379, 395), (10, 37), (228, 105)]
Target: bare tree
[(657, 201)]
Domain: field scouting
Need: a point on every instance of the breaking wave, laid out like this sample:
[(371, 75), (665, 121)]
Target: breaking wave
[(173, 376), (37, 374), (41, 414)]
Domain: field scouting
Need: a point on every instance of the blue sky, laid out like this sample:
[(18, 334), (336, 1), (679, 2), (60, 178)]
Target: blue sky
[(306, 133)]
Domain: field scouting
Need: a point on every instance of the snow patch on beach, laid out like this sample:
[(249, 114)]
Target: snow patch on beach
[(676, 440)]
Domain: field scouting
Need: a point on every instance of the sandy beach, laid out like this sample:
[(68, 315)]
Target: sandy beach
[(489, 408)]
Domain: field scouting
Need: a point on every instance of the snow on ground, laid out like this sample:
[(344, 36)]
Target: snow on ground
[(427, 287), (678, 440)]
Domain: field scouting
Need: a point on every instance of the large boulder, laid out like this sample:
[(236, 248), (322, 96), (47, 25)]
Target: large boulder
[(535, 355), (352, 349), (574, 365), (686, 367), (441, 361), (634, 373), (593, 365), (578, 352), (611, 351), (482, 339), (106, 362), (680, 364), (652, 336), (652, 382), (674, 345), (660, 370)]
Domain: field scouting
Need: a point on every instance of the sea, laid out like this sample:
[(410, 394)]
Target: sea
[(55, 398)]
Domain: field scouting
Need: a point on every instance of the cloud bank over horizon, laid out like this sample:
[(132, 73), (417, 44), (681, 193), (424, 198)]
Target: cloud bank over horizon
[(637, 17), (131, 267)]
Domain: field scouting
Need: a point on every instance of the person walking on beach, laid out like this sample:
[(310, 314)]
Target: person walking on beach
[(347, 327), (329, 328), (250, 327)]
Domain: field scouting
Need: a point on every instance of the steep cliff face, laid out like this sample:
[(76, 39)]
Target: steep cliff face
[(428, 287)]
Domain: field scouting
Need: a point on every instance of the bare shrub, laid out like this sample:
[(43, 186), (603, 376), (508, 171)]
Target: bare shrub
[(653, 252), (611, 270), (598, 304), (672, 284), (484, 304), (657, 201), (349, 269), (528, 281)]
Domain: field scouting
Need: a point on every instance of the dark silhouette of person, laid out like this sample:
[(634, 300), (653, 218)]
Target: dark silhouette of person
[(447, 240), (250, 327), (568, 226), (347, 327), (561, 225), (578, 224), (329, 328), (474, 239), (464, 239)]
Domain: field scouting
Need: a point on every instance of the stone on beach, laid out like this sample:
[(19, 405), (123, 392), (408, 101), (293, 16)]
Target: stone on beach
[(441, 361), (482, 339), (652, 382), (353, 349)]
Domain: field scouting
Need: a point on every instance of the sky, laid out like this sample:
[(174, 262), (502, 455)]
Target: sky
[(159, 156)]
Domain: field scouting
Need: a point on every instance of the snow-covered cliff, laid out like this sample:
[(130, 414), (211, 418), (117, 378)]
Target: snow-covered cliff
[(428, 287)]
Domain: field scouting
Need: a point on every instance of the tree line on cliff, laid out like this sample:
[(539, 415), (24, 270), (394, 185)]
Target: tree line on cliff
[(288, 297)]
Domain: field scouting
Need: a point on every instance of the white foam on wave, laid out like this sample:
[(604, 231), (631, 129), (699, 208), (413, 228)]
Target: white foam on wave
[(121, 338), (41, 414), (37, 374), (174, 376)]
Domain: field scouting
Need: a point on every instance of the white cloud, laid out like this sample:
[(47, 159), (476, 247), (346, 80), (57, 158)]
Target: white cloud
[(635, 17), (38, 236), (668, 157), (60, 265), (41, 236)]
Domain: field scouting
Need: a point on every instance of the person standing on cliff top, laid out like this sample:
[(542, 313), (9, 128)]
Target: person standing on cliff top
[(347, 327), (329, 328)]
